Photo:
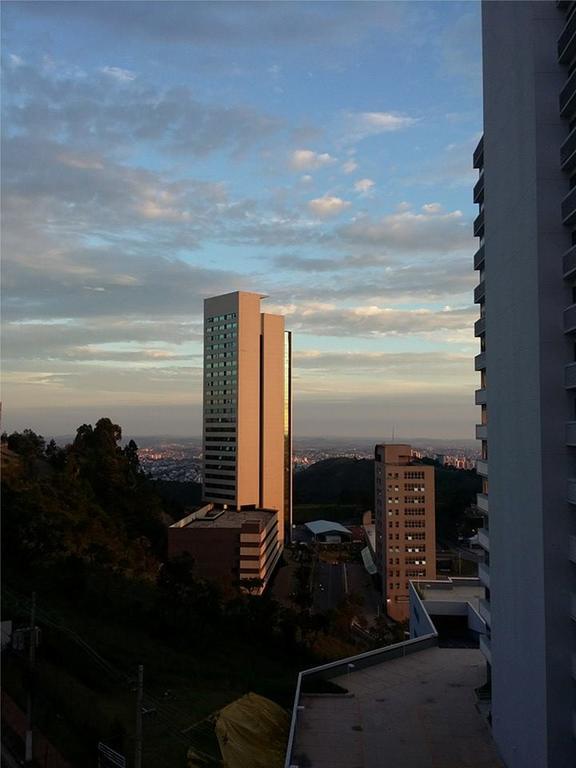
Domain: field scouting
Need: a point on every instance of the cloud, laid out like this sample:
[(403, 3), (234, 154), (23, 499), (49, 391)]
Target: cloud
[(364, 186), (327, 206), (307, 160), (361, 125), (349, 166), (123, 75), (96, 113), (326, 319), (452, 167), (394, 364), (238, 24), (408, 230)]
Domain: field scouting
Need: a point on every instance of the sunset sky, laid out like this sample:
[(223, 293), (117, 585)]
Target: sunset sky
[(155, 154)]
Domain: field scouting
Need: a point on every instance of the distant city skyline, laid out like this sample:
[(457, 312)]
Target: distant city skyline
[(157, 154)]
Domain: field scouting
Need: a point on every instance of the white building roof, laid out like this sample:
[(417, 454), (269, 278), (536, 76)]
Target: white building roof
[(319, 527)]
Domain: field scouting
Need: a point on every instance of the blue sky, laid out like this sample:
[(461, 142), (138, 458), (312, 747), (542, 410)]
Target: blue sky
[(320, 153)]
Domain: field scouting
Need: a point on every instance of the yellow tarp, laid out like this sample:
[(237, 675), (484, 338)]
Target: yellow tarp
[(252, 733)]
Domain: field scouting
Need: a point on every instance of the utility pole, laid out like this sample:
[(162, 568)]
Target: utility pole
[(139, 697), (29, 750)]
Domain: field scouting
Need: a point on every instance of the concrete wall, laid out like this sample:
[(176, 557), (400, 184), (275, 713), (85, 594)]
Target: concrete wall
[(527, 404)]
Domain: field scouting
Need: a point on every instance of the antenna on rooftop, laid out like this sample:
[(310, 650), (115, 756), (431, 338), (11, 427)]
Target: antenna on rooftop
[(393, 432)]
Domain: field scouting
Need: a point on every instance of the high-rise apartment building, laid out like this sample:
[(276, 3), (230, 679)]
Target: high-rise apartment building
[(527, 263), (404, 500), (247, 443), (247, 406)]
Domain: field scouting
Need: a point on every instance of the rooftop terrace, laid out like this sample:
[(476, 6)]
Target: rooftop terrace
[(414, 711), (215, 517)]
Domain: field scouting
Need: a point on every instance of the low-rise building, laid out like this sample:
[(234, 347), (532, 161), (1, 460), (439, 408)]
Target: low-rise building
[(229, 546)]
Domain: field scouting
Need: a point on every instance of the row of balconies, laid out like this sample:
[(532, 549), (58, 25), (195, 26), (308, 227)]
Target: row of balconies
[(479, 292), (484, 539), (480, 397), (482, 466), (484, 610), (567, 41), (485, 648), (568, 152), (479, 225), (479, 258), (567, 100), (479, 189), (570, 319), (480, 362), (478, 156), (484, 574), (569, 207), (482, 502)]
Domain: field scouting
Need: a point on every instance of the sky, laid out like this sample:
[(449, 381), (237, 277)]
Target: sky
[(155, 154)]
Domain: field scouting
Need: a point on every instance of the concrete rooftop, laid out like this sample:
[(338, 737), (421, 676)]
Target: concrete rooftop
[(457, 592), (416, 711)]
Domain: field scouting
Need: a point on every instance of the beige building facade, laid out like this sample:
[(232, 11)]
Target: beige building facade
[(247, 422), (404, 497)]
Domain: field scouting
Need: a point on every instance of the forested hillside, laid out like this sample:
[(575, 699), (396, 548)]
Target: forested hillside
[(85, 530), (349, 484)]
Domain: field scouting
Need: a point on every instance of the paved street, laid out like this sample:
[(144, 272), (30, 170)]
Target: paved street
[(328, 586), (360, 583)]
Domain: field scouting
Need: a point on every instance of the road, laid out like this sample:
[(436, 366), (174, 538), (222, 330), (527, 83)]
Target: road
[(328, 585), (361, 583)]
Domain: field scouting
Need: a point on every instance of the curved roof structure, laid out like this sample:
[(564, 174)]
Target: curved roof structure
[(319, 527)]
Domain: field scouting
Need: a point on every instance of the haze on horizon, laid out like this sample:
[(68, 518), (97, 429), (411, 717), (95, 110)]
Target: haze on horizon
[(155, 154)]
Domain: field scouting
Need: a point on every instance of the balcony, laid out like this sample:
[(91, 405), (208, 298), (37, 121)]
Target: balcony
[(571, 491), (567, 100), (479, 221), (567, 41), (482, 502), (479, 189), (479, 258), (569, 263), (478, 156), (568, 152), (479, 292), (570, 376), (484, 610), (486, 648), (573, 607), (480, 362), (484, 539), (569, 207), (482, 466), (481, 431), (480, 327), (572, 549), (570, 319), (571, 433), (480, 396), (484, 574)]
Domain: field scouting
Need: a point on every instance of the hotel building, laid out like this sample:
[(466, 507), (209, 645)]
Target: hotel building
[(247, 441), (404, 501), (526, 191)]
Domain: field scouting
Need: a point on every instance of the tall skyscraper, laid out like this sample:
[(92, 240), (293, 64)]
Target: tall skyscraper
[(405, 524), (238, 535), (247, 407), (527, 294)]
